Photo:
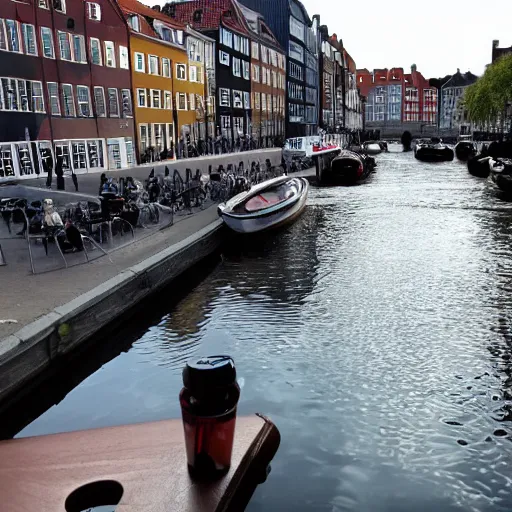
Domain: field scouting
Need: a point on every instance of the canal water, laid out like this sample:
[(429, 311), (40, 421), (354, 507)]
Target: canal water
[(375, 332)]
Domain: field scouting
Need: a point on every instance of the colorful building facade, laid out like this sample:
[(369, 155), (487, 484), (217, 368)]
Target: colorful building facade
[(65, 90)]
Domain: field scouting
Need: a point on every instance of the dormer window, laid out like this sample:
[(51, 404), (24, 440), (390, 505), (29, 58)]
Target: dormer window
[(60, 6), (198, 15), (134, 22)]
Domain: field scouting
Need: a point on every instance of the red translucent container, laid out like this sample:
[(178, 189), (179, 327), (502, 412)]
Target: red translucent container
[(208, 402)]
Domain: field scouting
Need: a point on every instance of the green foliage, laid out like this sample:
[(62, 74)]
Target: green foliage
[(486, 100)]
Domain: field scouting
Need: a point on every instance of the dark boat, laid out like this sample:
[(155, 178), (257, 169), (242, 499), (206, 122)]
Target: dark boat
[(347, 168), (433, 150), (465, 149), (501, 173), (479, 164)]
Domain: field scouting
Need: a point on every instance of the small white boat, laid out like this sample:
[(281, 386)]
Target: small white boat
[(268, 205), (372, 148)]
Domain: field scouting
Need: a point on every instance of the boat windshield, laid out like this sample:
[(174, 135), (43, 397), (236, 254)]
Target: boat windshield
[(271, 197)]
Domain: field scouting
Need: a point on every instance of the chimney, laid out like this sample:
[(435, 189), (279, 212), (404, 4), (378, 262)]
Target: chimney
[(156, 8), (413, 68), (495, 43), (458, 70), (334, 37)]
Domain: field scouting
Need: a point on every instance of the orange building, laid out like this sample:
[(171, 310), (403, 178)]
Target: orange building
[(168, 80)]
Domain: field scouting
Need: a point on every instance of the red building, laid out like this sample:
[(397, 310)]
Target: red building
[(65, 87), (395, 97)]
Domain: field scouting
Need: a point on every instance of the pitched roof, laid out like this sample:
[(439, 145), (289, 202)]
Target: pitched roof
[(135, 7), (255, 23), (213, 12)]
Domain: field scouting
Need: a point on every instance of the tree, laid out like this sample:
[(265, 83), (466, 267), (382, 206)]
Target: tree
[(486, 100)]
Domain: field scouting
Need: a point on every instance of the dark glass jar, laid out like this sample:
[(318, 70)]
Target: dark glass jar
[(208, 405)]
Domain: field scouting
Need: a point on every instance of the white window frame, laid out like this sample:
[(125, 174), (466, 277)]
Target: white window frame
[(255, 49), (41, 110), (43, 4), (98, 43), (178, 96), (241, 98), (48, 31), (183, 68), (226, 37), (223, 58), (19, 35), (109, 45), (237, 43), (236, 67), (24, 29), (98, 88), (94, 11), (166, 63), (136, 56), (80, 103), (246, 70), (247, 100), (68, 42), (83, 51), (152, 102), (145, 142), (167, 105), (126, 93), (192, 74), (50, 96), (62, 10), (228, 104), (117, 100), (72, 99), (124, 57), (134, 26), (144, 95), (150, 60), (192, 101)]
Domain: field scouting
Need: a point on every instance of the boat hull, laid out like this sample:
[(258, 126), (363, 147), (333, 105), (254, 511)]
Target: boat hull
[(348, 169), (465, 150), (500, 172), (266, 220), (431, 154), (479, 166)]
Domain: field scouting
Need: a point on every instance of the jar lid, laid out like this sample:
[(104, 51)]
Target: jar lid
[(209, 373)]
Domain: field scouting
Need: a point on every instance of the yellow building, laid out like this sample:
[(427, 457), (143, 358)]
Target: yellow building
[(164, 85)]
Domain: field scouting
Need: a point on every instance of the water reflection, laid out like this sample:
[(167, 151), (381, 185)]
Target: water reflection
[(376, 334)]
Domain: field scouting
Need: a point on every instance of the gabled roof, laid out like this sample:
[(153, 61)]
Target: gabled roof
[(146, 14), (212, 14), (255, 24), (350, 63)]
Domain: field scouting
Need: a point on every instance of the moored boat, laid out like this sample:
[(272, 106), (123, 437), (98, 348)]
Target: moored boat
[(433, 150), (465, 149), (501, 173), (270, 204), (348, 168), (479, 166), (372, 147)]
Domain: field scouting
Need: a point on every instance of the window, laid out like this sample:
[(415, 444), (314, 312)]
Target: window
[(192, 73), (269, 102), (255, 73), (141, 98), (13, 36), (156, 98), (134, 23), (236, 67), (144, 137), (23, 101), (247, 100), (225, 123), (263, 75), (255, 50), (245, 68), (64, 46), (68, 100), (224, 97), (245, 46), (264, 54), (256, 105), (126, 100), (296, 71), (29, 39), (96, 57), (224, 58), (3, 39), (79, 49), (53, 95), (99, 102), (110, 54), (153, 65), (238, 125), (181, 71), (84, 101), (181, 101), (226, 37), (113, 102), (237, 99), (192, 101), (263, 101), (46, 42), (166, 67), (94, 11), (43, 4), (236, 42), (124, 60), (167, 100), (37, 97), (296, 51), (60, 6), (139, 62), (268, 76)]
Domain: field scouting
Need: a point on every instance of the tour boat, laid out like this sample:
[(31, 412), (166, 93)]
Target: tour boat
[(433, 150), (270, 204), (501, 173), (348, 167), (465, 149)]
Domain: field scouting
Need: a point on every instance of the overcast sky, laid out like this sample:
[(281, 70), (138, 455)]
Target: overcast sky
[(438, 37)]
